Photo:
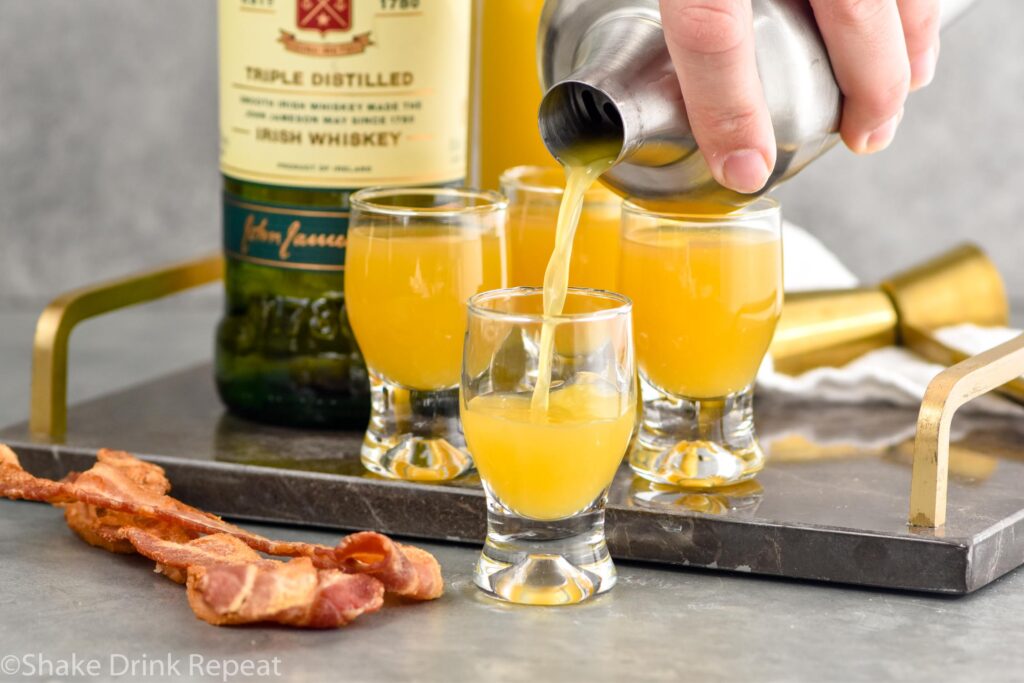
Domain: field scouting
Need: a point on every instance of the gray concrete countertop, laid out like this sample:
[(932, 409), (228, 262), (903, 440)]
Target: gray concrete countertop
[(60, 599)]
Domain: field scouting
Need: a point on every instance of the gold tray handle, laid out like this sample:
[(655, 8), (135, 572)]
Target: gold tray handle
[(48, 410), (947, 392)]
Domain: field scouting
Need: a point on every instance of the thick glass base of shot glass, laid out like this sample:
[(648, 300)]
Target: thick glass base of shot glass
[(414, 435), (544, 562), (698, 444)]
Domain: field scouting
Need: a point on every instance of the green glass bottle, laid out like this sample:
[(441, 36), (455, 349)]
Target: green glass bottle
[(318, 99)]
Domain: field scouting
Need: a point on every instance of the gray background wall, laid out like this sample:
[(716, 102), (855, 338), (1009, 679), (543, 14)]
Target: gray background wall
[(108, 149)]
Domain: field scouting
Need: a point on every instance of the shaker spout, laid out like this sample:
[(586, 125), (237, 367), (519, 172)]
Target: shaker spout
[(615, 99), (578, 119)]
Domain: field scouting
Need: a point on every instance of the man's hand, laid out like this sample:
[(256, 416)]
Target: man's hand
[(880, 50)]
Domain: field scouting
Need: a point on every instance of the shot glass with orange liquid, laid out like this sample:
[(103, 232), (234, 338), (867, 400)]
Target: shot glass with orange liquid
[(546, 465), (707, 293), (535, 195), (414, 257)]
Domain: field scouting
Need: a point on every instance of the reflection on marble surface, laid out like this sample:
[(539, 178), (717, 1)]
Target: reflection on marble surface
[(792, 431), (833, 503), (242, 442), (802, 433), (744, 497)]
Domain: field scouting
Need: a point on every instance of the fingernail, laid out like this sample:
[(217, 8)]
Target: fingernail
[(745, 170), (881, 137), (922, 69)]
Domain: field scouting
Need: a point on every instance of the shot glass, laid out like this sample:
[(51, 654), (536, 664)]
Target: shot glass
[(707, 293), (535, 195), (414, 257), (546, 461)]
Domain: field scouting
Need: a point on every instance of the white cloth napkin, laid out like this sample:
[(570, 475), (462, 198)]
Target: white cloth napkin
[(892, 374)]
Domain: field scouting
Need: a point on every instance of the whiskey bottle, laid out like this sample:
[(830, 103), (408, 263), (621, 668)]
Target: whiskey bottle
[(317, 99)]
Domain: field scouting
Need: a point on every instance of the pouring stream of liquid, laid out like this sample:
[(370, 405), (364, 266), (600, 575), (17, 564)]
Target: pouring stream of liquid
[(580, 175)]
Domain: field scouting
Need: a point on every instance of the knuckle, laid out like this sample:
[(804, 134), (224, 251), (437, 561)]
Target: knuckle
[(710, 26), (928, 24), (851, 13), (884, 102), (731, 125), (922, 31)]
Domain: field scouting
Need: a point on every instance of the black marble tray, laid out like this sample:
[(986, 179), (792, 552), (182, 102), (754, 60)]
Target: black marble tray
[(831, 505)]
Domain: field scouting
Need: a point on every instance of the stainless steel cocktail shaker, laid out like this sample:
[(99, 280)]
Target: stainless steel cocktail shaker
[(609, 77)]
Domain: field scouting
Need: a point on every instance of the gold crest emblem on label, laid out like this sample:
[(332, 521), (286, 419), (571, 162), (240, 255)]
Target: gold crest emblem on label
[(324, 15)]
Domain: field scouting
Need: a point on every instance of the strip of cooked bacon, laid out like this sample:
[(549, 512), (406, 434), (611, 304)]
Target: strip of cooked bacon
[(101, 527), (109, 484), (293, 593), (147, 475), (205, 550), (428, 569), (405, 570), (15, 482), (230, 583), (399, 571), (98, 527)]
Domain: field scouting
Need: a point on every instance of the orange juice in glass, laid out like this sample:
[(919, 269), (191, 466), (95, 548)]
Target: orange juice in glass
[(542, 472), (707, 293), (414, 257), (535, 194)]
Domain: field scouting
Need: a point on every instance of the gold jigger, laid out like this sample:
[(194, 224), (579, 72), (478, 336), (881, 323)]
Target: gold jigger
[(833, 327)]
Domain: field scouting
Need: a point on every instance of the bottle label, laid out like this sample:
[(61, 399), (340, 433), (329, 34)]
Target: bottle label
[(284, 237), (344, 93)]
